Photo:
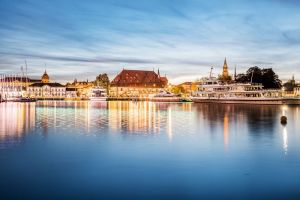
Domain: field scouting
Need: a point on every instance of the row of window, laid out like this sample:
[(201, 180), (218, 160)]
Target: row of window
[(43, 89)]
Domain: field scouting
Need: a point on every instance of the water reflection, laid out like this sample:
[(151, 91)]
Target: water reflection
[(285, 140), (118, 116), (100, 147), (226, 130), (136, 117), (16, 119), (257, 118), (83, 117)]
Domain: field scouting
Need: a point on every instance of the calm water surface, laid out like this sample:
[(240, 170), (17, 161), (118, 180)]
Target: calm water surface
[(142, 150)]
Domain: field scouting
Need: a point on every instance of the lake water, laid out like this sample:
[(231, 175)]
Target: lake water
[(144, 150)]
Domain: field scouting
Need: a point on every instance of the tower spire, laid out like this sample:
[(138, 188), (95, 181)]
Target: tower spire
[(225, 69)]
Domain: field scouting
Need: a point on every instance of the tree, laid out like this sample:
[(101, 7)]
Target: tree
[(254, 74), (267, 77), (178, 89), (102, 80), (242, 78), (270, 79), (225, 79)]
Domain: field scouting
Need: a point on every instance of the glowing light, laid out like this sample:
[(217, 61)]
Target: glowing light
[(284, 109), (226, 130), (170, 133), (285, 140)]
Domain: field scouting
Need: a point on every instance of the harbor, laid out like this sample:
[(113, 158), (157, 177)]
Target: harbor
[(149, 100), (146, 85)]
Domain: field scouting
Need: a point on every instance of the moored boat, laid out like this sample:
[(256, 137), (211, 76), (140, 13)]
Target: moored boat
[(164, 96), (98, 94), (212, 91)]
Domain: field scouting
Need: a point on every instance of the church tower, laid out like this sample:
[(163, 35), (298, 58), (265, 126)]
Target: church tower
[(225, 73)]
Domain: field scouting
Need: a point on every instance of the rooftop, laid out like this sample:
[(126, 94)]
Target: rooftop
[(137, 78)]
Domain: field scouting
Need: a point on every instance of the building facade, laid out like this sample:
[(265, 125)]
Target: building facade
[(137, 83), (14, 86), (71, 93), (82, 88), (46, 90)]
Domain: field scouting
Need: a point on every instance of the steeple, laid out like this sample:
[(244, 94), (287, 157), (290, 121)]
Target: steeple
[(225, 69), (158, 72), (293, 80)]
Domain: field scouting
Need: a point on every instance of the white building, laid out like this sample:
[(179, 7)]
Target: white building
[(46, 91), (71, 92)]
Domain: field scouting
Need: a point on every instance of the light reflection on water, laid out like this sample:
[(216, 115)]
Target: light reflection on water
[(185, 142)]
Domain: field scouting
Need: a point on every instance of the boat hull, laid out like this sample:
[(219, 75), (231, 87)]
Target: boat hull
[(98, 98), (265, 101)]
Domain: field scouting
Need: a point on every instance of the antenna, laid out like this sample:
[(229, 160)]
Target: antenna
[(26, 68), (22, 76), (210, 74), (252, 76)]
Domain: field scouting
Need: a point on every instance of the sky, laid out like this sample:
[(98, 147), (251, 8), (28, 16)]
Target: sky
[(183, 38)]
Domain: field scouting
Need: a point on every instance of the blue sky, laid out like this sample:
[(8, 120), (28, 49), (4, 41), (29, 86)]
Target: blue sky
[(183, 38)]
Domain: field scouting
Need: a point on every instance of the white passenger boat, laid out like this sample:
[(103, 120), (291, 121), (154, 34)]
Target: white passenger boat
[(98, 94), (164, 96), (213, 91)]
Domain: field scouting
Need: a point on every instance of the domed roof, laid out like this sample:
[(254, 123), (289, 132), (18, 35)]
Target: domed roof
[(45, 77)]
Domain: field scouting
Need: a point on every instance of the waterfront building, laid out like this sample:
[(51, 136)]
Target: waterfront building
[(46, 90), (14, 86), (82, 88), (137, 83), (71, 92)]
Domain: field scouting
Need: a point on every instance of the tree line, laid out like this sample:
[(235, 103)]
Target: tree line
[(267, 77)]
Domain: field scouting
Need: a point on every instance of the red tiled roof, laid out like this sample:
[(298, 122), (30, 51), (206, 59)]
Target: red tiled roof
[(164, 80), (137, 78)]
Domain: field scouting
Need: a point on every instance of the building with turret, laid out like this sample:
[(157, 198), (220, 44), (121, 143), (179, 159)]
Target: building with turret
[(46, 89)]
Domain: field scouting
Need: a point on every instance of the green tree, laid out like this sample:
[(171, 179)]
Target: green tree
[(102, 80), (267, 77), (270, 79)]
